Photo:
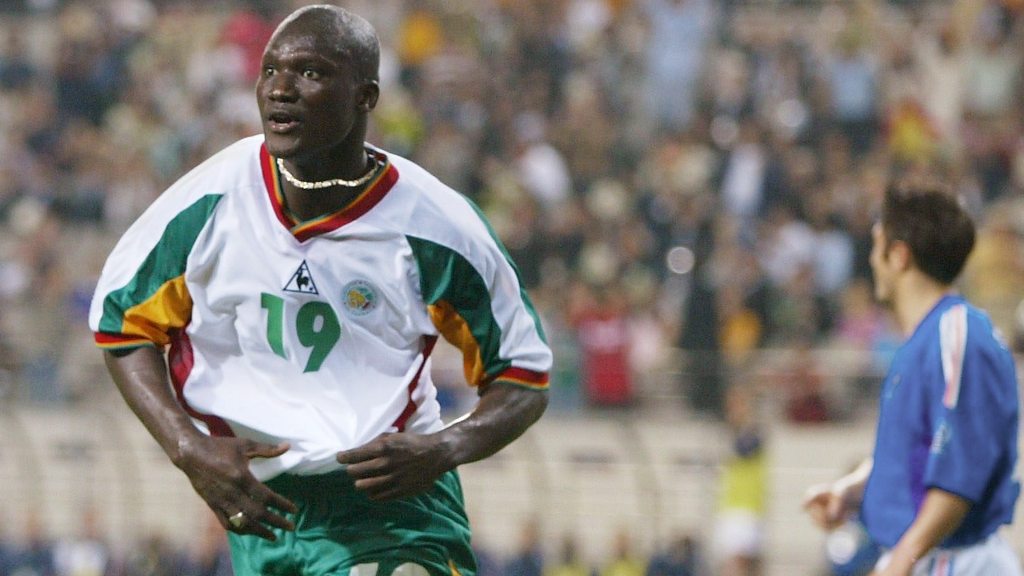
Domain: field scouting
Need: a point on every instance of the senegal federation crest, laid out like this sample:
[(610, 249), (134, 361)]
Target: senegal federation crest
[(359, 297)]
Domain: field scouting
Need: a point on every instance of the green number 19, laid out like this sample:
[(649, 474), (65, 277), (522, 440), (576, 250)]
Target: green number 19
[(316, 325)]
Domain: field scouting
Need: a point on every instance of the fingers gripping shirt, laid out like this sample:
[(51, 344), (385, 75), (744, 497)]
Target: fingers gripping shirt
[(317, 333)]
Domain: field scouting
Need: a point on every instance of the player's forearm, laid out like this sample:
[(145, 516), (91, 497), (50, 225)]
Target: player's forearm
[(939, 516), (504, 412), (851, 486), (141, 377)]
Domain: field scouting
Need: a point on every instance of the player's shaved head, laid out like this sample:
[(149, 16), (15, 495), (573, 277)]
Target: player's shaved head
[(339, 31)]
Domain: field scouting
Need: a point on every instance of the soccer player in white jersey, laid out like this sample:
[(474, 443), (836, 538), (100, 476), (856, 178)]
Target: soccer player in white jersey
[(942, 479), (270, 320)]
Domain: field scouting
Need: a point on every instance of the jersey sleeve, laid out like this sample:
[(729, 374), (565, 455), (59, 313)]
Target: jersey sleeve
[(476, 301), (975, 409), (141, 296)]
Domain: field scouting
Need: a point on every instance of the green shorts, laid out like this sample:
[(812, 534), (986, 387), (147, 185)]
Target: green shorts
[(338, 529)]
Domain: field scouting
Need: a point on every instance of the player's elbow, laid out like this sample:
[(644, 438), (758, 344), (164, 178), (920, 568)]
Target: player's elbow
[(539, 404)]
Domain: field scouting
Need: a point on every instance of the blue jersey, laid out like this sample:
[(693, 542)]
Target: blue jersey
[(948, 420)]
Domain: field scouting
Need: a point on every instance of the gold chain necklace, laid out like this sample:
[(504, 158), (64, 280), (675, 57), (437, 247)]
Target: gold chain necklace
[(327, 183)]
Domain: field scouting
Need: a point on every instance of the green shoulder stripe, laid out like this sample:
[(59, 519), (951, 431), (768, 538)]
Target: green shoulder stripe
[(446, 277), (165, 262), (522, 291)]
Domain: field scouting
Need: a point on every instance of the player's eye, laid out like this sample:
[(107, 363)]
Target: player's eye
[(268, 71), (311, 74)]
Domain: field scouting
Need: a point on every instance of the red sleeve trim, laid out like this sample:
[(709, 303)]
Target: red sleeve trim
[(523, 377), (120, 341)]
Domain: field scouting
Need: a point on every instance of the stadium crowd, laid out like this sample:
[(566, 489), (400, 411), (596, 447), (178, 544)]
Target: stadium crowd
[(666, 173), (669, 175), (88, 553)]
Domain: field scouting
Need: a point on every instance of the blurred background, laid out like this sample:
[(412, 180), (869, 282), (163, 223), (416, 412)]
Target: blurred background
[(687, 187)]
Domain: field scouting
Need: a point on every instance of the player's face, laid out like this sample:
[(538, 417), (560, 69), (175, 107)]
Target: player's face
[(310, 97), (880, 264)]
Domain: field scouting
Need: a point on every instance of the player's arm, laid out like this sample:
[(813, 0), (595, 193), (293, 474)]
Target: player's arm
[(218, 468), (829, 504), (476, 301), (940, 515), (400, 465)]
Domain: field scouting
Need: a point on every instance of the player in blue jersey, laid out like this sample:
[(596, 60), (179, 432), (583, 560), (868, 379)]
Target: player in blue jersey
[(270, 319), (942, 478)]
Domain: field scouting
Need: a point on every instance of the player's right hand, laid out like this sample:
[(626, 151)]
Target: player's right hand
[(218, 469), (827, 505)]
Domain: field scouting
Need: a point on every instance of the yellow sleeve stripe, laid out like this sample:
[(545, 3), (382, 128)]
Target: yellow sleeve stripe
[(456, 331), (169, 308)]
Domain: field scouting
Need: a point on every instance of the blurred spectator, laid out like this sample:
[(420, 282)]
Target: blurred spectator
[(994, 66), (853, 81), (994, 275), (248, 30), (487, 563), (939, 58), (569, 562), (833, 258), (528, 559), (680, 558), (753, 180), (993, 71), (34, 556), (599, 315), (739, 530), (210, 555), (861, 325), (863, 335), (86, 554), (703, 372), (803, 380), (9, 367), (741, 328), (624, 560), (154, 555), (680, 31), (90, 64), (541, 168), (420, 38), (788, 248), (6, 557), (16, 70), (586, 131)]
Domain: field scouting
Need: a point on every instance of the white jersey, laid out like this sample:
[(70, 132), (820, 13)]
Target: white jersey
[(315, 333)]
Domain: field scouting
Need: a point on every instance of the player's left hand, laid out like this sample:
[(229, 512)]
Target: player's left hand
[(395, 465)]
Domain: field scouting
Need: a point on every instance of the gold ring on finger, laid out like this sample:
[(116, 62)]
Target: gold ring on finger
[(237, 519)]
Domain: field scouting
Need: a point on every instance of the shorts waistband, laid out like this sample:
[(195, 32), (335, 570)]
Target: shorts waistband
[(335, 479)]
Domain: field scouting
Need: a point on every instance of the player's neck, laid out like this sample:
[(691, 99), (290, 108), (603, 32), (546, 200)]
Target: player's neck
[(915, 297), (307, 203)]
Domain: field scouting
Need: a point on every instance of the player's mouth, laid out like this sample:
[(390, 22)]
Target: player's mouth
[(282, 122)]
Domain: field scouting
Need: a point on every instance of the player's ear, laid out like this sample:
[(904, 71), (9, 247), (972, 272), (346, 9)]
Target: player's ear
[(900, 253), (369, 92)]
